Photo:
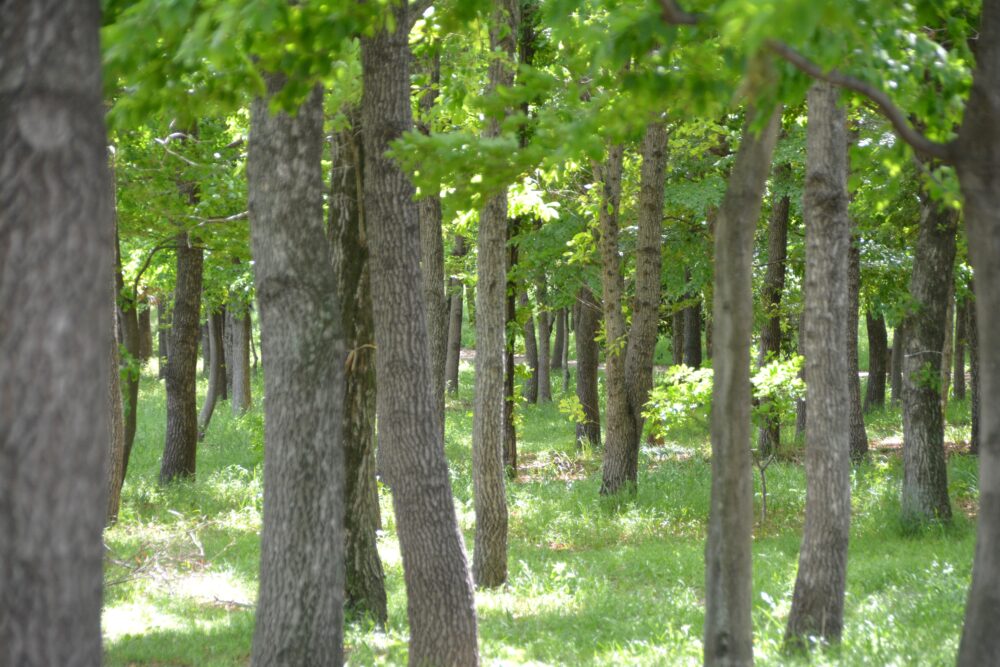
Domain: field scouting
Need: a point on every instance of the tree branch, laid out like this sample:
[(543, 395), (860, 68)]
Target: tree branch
[(921, 144), (674, 15)]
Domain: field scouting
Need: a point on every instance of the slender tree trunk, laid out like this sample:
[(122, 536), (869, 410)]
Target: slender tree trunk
[(565, 351), (56, 245), (878, 353), (130, 328), (145, 331), (677, 336), (692, 335), (300, 605), (949, 330), (769, 438), (974, 391), (544, 345), (961, 339), (116, 449), (440, 600), (455, 323), (560, 341), (818, 599), (239, 318), (728, 630), (530, 351), (510, 339), (253, 347), (587, 319), (206, 349), (859, 437), (634, 360), (227, 354), (217, 371), (365, 590), (896, 362), (162, 336)]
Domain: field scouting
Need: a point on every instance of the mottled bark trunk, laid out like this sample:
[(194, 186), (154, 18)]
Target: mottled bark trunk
[(115, 474), (145, 331), (454, 323), (162, 336), (440, 600), (181, 445), (365, 588), (217, 371), (818, 598), (239, 327), (587, 319), (300, 604), (56, 245), (859, 437), (544, 345), (692, 335), (973, 335), (530, 390), (769, 438), (961, 340), (728, 630), (896, 362), (878, 356), (946, 350), (129, 327), (564, 315), (925, 478), (560, 339), (677, 336), (206, 349), (227, 355)]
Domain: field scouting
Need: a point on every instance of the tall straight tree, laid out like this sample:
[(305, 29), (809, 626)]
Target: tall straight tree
[(300, 607), (240, 326), (728, 630), (454, 352), (588, 321), (878, 355), (818, 599), (859, 436), (56, 257), (629, 357), (440, 600), (489, 565)]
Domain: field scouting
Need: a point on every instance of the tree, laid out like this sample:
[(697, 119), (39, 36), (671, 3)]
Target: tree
[(587, 318), (301, 598), (859, 438), (57, 235), (455, 287), (818, 599), (217, 370), (878, 353), (242, 331), (440, 601)]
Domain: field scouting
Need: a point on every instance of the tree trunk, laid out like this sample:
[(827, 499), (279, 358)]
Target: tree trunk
[(925, 480), (974, 391), (115, 475), (365, 590), (800, 404), (961, 339), (946, 351), (181, 446), (217, 371), (769, 438), (510, 338), (878, 352), (56, 245), (162, 336), (896, 362), (565, 350), (145, 331), (692, 335), (634, 359), (859, 437), (544, 345), (530, 351), (560, 341), (239, 327), (227, 355), (818, 599), (300, 605), (440, 600), (677, 336), (728, 630), (455, 323), (130, 328), (206, 349), (587, 319)]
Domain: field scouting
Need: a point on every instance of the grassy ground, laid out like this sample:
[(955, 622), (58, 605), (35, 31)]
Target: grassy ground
[(592, 581)]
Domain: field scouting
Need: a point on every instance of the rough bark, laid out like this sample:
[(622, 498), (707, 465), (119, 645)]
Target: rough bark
[(440, 601), (181, 445), (818, 598), (564, 313), (129, 328), (692, 335), (115, 474), (946, 351), (728, 630), (240, 330), (365, 587), (227, 355), (544, 345), (217, 371), (56, 258), (629, 357), (800, 405), (961, 340), (560, 339), (530, 390), (454, 323), (587, 318), (896, 362), (677, 336), (973, 335), (925, 481), (162, 336), (300, 604), (145, 331), (878, 356), (769, 438), (206, 349), (859, 437)]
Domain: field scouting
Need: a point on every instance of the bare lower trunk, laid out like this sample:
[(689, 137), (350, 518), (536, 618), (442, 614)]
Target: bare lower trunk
[(530, 351), (454, 324), (510, 318), (116, 443), (560, 340), (206, 350), (946, 351), (239, 327), (677, 336), (859, 437), (544, 348), (587, 319), (728, 630), (818, 599), (692, 335), (878, 353), (974, 392), (162, 336), (145, 331), (130, 329), (217, 371), (961, 340)]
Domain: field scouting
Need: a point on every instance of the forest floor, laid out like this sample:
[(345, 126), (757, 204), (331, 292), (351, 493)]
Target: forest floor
[(593, 581)]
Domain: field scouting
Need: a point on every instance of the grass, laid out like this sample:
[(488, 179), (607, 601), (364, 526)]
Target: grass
[(592, 581)]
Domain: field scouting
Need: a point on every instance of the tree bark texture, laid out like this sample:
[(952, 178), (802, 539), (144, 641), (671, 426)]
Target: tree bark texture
[(728, 629), (206, 349), (300, 604), (162, 336), (454, 323), (181, 446), (530, 350), (560, 339), (217, 371), (440, 601), (925, 478), (818, 598), (629, 359), (946, 351), (769, 438), (677, 336), (116, 443), (56, 257), (588, 320), (129, 327), (365, 587), (240, 330), (973, 335), (878, 356), (961, 340), (859, 437), (145, 331), (544, 345), (692, 335), (896, 362)]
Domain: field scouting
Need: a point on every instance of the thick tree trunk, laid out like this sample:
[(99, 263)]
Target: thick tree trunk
[(769, 438), (455, 323), (587, 318), (544, 345), (491, 434), (56, 245), (728, 630), (677, 336), (300, 605), (961, 339), (239, 327), (859, 437), (692, 335), (818, 599), (181, 446), (878, 353), (217, 371), (925, 478), (162, 336), (896, 362), (634, 359), (145, 331), (974, 392), (440, 600), (530, 391), (560, 340), (365, 589)]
